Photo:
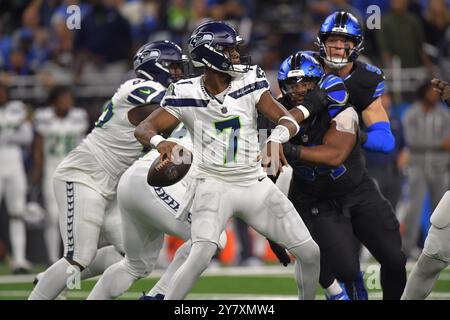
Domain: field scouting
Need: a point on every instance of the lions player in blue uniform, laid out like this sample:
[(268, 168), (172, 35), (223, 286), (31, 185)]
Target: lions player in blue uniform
[(340, 42), (331, 188)]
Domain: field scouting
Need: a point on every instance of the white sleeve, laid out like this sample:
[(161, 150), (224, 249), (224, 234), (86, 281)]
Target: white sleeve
[(261, 84), (347, 121), (170, 103)]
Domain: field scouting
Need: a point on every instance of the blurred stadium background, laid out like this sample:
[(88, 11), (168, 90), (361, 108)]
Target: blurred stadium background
[(38, 52)]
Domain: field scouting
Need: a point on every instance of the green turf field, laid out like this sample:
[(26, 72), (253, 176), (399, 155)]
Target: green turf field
[(271, 282)]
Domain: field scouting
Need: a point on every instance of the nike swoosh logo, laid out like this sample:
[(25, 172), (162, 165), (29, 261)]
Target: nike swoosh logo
[(146, 91), (261, 179)]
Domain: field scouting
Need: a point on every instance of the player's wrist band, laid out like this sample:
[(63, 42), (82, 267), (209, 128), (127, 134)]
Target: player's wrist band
[(305, 111), (279, 135), (292, 120), (155, 140)]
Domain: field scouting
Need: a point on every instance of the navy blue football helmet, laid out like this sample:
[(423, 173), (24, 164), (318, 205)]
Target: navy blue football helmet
[(153, 59), (298, 67), (208, 45), (344, 24)]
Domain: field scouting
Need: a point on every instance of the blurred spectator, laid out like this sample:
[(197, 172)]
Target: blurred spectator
[(321, 9), (402, 35), (444, 55), (387, 168), (143, 17), (436, 21), (427, 135), (59, 67), (200, 13), (225, 10), (9, 11), (103, 43), (178, 15), (17, 63)]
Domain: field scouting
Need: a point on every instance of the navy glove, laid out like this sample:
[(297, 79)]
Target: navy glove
[(280, 252)]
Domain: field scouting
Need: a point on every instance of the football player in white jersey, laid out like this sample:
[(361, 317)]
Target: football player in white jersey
[(219, 109), (147, 214), (435, 255), (15, 132), (59, 127), (85, 182)]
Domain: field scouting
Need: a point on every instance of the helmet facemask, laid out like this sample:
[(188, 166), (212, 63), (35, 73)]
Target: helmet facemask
[(177, 70), (161, 61), (295, 88), (238, 64), (340, 24), (351, 51)]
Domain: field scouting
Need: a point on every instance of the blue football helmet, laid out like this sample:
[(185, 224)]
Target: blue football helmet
[(208, 46), (297, 68), (154, 59), (344, 24)]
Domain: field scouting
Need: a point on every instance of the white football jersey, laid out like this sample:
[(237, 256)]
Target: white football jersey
[(60, 135), (15, 130), (225, 134), (111, 147)]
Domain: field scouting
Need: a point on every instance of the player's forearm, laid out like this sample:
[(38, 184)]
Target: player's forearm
[(379, 138), (297, 114), (323, 155), (277, 113), (38, 160), (290, 123), (144, 132)]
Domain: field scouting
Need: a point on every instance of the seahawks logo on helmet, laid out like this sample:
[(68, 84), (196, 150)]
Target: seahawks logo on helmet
[(202, 38), (147, 55)]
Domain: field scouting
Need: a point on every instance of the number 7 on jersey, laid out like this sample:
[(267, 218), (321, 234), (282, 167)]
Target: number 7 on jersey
[(234, 125)]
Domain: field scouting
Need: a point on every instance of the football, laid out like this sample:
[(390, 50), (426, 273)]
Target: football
[(165, 173)]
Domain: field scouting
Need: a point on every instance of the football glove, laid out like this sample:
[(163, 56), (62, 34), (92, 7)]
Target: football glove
[(280, 252)]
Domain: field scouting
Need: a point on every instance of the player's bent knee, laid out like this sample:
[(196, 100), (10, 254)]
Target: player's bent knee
[(83, 258), (75, 263), (307, 252), (137, 268)]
